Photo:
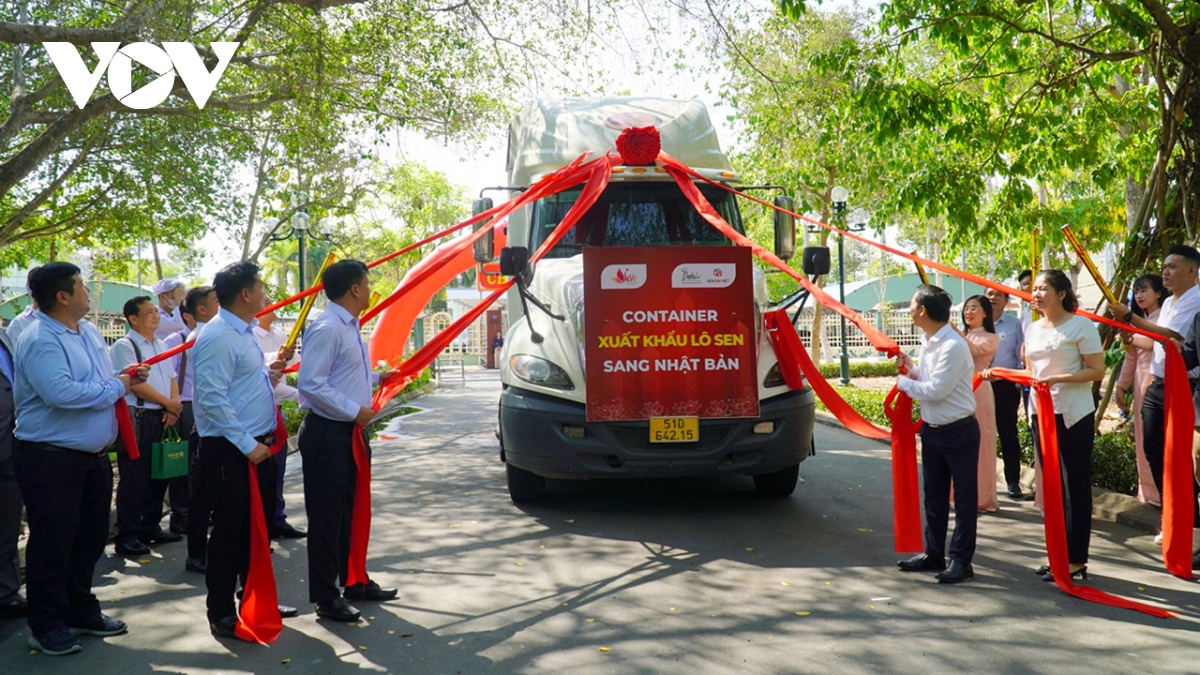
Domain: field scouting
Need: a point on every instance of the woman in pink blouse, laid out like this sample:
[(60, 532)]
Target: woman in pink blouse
[(983, 341), (1148, 294)]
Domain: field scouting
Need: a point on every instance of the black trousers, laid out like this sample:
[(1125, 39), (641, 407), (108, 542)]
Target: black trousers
[(201, 478), (180, 492), (10, 532), (1075, 458), (330, 476), (1154, 440), (67, 498), (945, 456), (1008, 402), (229, 545), (139, 497)]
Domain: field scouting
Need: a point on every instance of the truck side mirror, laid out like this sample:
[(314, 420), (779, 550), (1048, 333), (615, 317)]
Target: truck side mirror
[(514, 262), (485, 244), (785, 228), (816, 261)]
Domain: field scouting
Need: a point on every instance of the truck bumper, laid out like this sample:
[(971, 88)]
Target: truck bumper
[(532, 438)]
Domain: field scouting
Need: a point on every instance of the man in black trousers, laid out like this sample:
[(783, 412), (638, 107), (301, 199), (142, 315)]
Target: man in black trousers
[(941, 381), (1007, 394), (335, 388), (235, 416)]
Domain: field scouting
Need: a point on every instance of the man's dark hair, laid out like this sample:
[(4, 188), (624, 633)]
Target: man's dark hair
[(1023, 274), (1058, 280), (133, 307), (194, 298), (936, 302), (1186, 252), (232, 280), (341, 275), (29, 277), (47, 281)]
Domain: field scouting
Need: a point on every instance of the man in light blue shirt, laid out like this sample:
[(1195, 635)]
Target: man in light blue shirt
[(1007, 394), (335, 386), (235, 417), (65, 392), (199, 306), (155, 405), (22, 320)]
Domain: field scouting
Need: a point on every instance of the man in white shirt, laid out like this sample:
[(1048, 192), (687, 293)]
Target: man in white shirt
[(1174, 321), (22, 320), (271, 340), (154, 405), (941, 381), (169, 292)]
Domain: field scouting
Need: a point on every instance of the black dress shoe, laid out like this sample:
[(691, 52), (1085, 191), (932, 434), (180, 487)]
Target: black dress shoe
[(160, 537), (16, 607), (1014, 492), (370, 591), (225, 627), (288, 612), (956, 572), (922, 563), (131, 549), (337, 610), (288, 531), (1080, 573), (197, 565)]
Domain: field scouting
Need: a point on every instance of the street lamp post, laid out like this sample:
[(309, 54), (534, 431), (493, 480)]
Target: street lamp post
[(839, 195), (300, 228)]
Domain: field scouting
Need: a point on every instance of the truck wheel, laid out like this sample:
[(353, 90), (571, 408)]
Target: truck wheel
[(779, 483), (525, 486)]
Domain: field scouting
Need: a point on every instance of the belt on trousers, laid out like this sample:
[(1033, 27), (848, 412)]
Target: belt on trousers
[(951, 425), (50, 447), (1154, 379), (266, 439)]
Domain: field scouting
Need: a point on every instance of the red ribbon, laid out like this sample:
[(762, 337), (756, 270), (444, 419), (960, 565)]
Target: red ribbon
[(360, 526), (596, 174), (125, 429), (1054, 519), (259, 621)]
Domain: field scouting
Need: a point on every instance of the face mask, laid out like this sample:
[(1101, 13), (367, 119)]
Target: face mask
[(171, 304)]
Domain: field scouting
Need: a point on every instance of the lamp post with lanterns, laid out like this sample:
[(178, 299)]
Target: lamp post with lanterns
[(299, 227), (856, 222)]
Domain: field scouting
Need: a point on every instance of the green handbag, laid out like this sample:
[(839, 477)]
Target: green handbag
[(169, 457)]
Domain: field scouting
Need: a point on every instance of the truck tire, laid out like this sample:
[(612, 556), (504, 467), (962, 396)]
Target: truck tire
[(523, 486), (777, 484)]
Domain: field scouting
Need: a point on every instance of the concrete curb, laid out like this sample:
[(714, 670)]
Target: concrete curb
[(1106, 504)]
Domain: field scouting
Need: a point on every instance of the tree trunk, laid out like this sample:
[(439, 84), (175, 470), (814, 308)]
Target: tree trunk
[(157, 261)]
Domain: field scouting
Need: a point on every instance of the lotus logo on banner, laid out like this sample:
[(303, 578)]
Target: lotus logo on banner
[(623, 277), (703, 275), (167, 61)]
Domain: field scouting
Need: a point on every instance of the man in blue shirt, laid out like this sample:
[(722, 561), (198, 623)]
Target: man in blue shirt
[(235, 417), (154, 405), (1007, 394), (335, 389), (199, 307), (12, 603), (65, 393)]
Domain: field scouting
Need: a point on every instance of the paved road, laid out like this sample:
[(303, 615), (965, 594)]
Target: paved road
[(687, 576)]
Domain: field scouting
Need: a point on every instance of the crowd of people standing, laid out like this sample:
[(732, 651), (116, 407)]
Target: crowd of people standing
[(1051, 344), (59, 388)]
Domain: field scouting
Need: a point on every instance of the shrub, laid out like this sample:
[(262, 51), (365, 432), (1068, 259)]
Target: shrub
[(868, 403), (293, 415), (832, 371)]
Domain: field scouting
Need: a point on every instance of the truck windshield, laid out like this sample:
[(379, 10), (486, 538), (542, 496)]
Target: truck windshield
[(634, 214)]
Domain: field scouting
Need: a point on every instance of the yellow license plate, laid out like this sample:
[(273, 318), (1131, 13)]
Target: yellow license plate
[(674, 429)]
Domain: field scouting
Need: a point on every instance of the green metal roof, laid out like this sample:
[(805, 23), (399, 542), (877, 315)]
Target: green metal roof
[(111, 296), (862, 296)]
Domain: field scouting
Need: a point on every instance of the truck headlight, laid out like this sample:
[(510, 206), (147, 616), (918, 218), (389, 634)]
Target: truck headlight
[(774, 378), (537, 370)]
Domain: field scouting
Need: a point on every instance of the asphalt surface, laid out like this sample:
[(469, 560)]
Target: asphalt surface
[(667, 576)]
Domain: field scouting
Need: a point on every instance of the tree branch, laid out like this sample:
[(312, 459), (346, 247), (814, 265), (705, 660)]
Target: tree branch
[(27, 33)]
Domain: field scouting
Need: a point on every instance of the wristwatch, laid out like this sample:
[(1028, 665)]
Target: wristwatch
[(1128, 316)]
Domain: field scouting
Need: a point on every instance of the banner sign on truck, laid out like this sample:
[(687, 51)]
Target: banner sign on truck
[(670, 333)]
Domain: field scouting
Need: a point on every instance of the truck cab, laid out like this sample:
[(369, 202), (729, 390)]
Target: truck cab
[(545, 426)]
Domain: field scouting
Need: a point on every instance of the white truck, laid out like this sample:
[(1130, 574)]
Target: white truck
[(546, 428)]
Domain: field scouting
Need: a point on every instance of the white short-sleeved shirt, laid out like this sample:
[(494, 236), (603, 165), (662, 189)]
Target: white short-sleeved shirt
[(1177, 313), (1060, 350)]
